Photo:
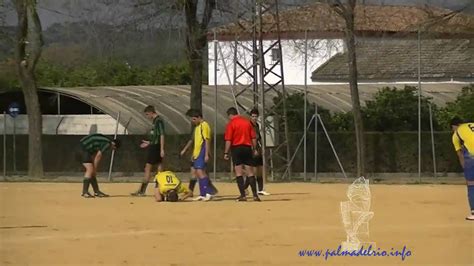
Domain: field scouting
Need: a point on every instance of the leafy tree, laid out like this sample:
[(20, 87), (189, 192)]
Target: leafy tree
[(462, 107), (396, 110)]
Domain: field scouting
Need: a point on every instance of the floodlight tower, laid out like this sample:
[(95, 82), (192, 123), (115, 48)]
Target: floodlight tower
[(258, 71)]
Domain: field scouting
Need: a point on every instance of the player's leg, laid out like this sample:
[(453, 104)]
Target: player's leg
[(192, 179), (153, 158), (205, 190), (200, 165), (239, 171), (470, 196), (89, 171), (142, 189), (93, 180), (86, 159), (249, 163), (469, 175)]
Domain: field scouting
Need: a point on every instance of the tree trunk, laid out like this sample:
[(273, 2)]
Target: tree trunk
[(356, 110), (196, 67), (35, 149), (195, 44), (28, 51)]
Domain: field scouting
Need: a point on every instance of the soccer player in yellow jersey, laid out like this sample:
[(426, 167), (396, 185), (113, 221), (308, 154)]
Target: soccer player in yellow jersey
[(463, 141), (193, 180), (201, 153), (168, 187)]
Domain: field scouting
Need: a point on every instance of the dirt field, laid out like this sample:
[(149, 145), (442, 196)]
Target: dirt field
[(49, 223)]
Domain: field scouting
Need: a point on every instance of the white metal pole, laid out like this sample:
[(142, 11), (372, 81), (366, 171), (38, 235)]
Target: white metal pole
[(14, 145), (215, 108), (113, 151), (316, 121), (59, 103), (263, 114), (332, 147), (297, 149), (419, 105), (4, 144), (305, 101), (432, 143)]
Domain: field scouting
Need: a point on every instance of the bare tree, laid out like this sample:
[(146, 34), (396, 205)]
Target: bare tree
[(28, 50), (346, 11), (196, 41)]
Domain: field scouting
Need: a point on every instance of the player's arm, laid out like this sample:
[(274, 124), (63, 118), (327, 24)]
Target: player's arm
[(254, 147), (253, 135), (144, 144), (162, 145), (97, 158), (186, 195), (461, 157), (158, 196), (228, 138), (208, 148), (458, 148), (207, 136), (160, 128), (226, 150), (184, 192), (186, 147)]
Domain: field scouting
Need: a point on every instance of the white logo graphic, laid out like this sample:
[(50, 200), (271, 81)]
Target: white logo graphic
[(356, 215)]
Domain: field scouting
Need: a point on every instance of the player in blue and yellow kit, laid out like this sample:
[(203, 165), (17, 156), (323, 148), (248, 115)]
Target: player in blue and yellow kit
[(168, 187), (201, 153), (463, 141), (193, 179)]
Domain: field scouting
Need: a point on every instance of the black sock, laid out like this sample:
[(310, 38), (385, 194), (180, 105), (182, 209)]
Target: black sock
[(260, 183), (246, 184), (240, 184), (85, 185), (192, 183), (94, 184), (253, 185), (143, 187)]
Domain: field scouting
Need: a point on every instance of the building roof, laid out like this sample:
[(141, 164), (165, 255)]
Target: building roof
[(397, 60), (320, 20), (173, 101)]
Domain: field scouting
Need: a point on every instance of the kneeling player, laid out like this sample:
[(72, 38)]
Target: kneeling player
[(168, 187)]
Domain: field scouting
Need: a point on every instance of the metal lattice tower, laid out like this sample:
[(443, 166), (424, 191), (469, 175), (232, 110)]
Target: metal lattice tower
[(263, 78)]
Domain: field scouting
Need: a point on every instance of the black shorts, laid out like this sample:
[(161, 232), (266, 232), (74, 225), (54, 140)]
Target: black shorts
[(258, 160), (153, 154), (242, 155), (84, 156)]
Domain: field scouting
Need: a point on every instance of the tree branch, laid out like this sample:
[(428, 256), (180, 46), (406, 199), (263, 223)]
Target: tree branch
[(22, 31), (206, 18), (338, 7)]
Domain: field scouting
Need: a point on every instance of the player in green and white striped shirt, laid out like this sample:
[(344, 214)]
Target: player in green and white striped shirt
[(92, 148)]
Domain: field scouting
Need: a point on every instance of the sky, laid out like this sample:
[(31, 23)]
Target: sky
[(58, 11)]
